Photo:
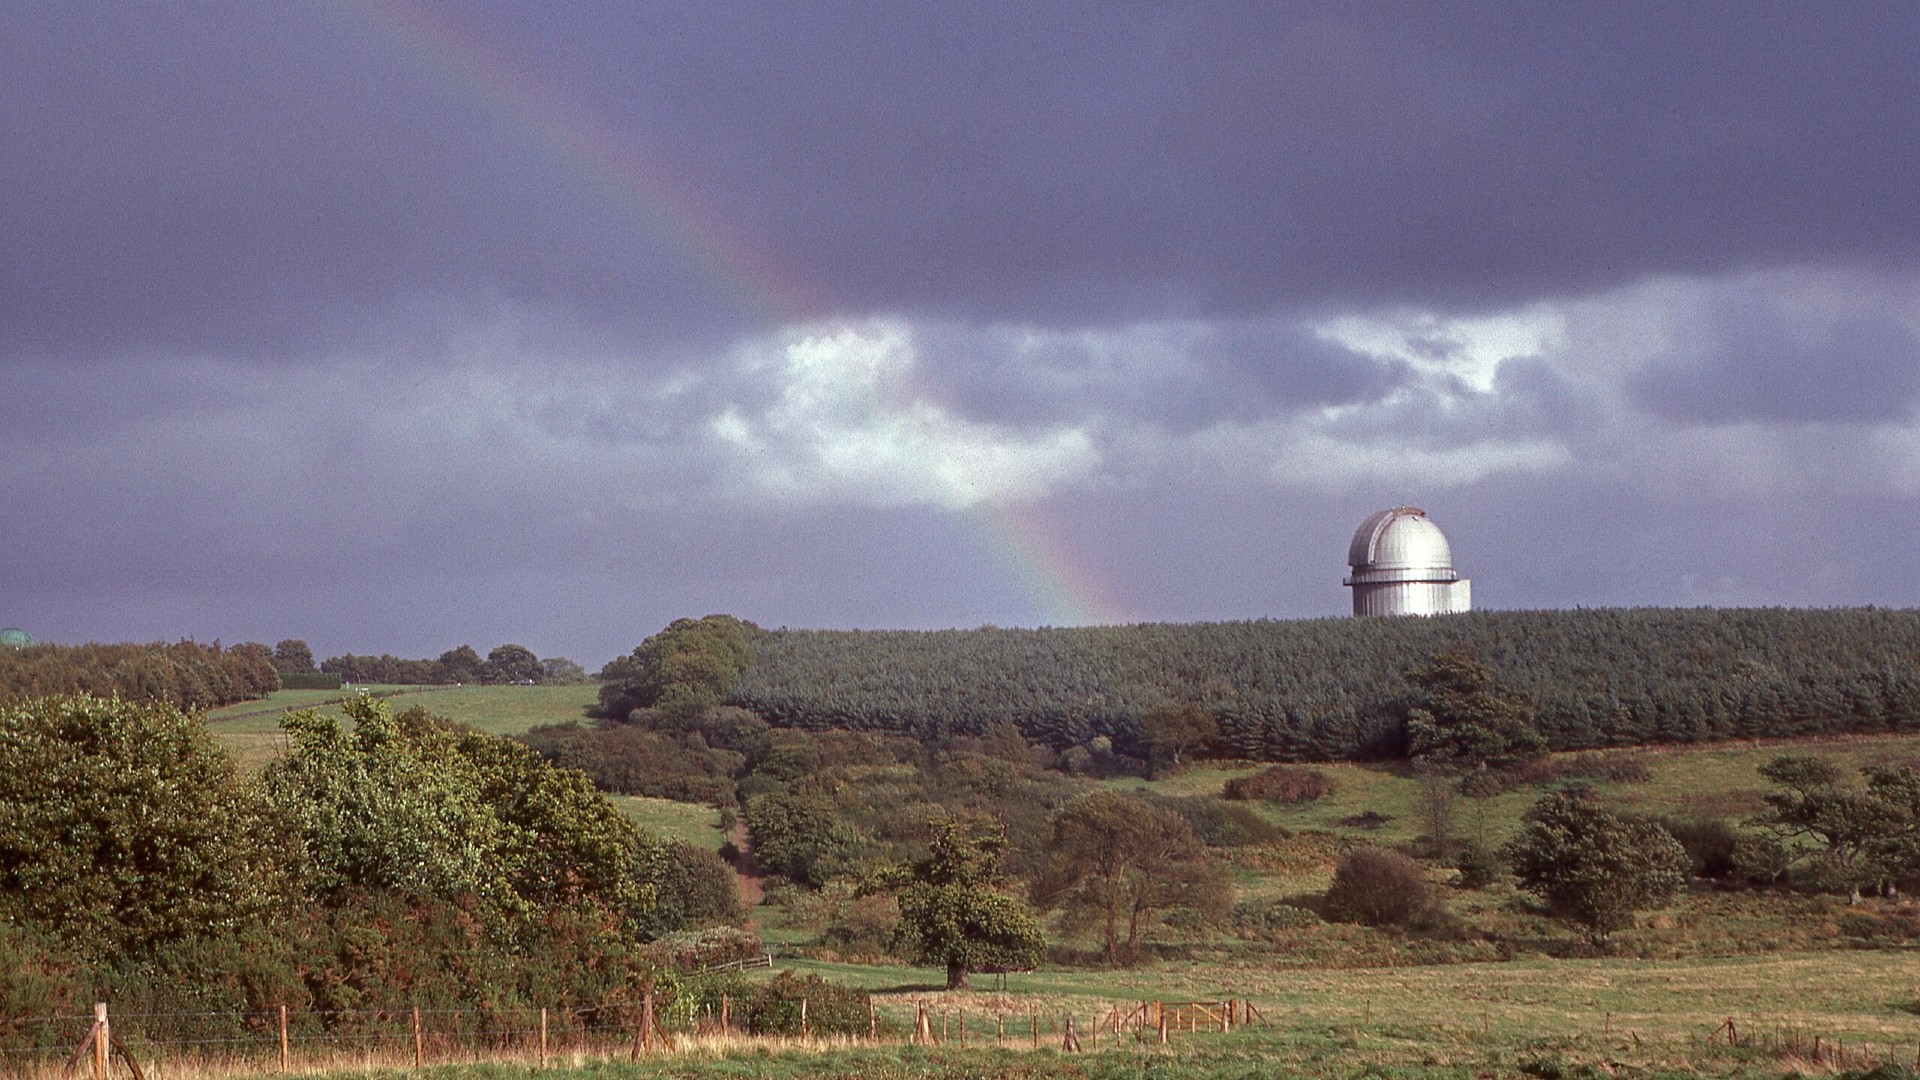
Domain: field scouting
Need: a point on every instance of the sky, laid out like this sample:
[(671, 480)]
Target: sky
[(398, 326)]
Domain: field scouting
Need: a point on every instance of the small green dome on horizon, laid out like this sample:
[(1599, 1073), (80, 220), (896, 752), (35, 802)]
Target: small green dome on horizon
[(15, 638)]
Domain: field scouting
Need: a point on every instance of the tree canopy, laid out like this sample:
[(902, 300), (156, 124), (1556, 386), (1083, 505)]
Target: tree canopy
[(1119, 864), (1593, 865), (955, 910)]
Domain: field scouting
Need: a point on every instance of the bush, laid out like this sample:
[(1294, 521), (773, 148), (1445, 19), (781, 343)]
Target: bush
[(1255, 919), (1487, 783), (1222, 824), (691, 950), (1366, 819), (1376, 887), (1479, 865), (1710, 844), (832, 1009), (1288, 785)]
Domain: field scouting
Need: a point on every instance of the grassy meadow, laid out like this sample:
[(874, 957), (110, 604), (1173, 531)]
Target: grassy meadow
[(1514, 992), (251, 729)]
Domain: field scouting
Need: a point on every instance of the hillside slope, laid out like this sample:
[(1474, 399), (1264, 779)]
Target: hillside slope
[(1328, 688)]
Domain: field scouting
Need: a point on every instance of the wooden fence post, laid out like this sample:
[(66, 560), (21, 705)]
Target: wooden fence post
[(419, 1041), (101, 1040), (284, 1055), (803, 1018), (646, 1020), (725, 1019), (543, 1036), (1036, 1031), (873, 1024), (1069, 1041)]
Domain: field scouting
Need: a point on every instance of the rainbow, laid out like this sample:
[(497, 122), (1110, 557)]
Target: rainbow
[(1059, 585)]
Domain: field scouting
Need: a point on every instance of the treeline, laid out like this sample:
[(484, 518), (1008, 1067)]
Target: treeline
[(185, 674), (1335, 688), (504, 664), (399, 861)]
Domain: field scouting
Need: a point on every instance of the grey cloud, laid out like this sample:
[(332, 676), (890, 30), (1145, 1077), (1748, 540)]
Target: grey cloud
[(1751, 360), (1179, 376), (213, 176)]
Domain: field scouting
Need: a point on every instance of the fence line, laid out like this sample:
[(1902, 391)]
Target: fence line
[(285, 1040)]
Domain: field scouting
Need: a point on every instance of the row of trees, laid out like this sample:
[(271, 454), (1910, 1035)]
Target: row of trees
[(398, 860), (185, 674), (504, 664), (1335, 688)]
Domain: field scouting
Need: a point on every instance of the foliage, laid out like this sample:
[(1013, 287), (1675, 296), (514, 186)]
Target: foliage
[(1854, 833), (795, 833), (461, 664), (1459, 716), (1595, 866), (692, 888), (186, 674), (1331, 688), (689, 667), (1479, 865), (1287, 785), (512, 664), (1171, 732), (1377, 887), (1222, 824), (1117, 862), (1710, 844), (123, 826), (773, 1007), (413, 807), (953, 911), (293, 657)]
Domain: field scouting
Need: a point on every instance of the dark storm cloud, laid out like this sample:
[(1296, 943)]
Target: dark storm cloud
[(1754, 361), (1181, 376), (246, 178)]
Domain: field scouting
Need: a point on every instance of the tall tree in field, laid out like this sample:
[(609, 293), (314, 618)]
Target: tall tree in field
[(1854, 833), (954, 910), (1121, 864)]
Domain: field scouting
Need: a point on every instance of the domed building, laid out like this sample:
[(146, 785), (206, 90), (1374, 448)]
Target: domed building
[(15, 638), (1402, 565)]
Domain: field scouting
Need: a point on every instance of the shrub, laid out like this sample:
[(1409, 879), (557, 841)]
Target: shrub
[(1710, 844), (1288, 785), (691, 950), (1487, 783), (1376, 887), (1479, 865), (832, 1009), (1265, 918), (1223, 824), (1366, 819)]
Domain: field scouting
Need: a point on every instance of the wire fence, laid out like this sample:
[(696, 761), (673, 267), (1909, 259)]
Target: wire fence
[(148, 1046)]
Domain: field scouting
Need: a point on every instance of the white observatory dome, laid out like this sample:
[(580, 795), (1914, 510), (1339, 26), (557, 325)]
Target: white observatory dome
[(1402, 565)]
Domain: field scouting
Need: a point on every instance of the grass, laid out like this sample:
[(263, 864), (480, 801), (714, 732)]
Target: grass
[(250, 730), (697, 825), (1583, 1019)]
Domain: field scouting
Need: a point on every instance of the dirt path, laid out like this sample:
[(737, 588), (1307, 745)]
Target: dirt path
[(752, 879)]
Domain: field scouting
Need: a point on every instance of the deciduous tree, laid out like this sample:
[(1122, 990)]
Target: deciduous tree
[(1121, 864), (955, 911)]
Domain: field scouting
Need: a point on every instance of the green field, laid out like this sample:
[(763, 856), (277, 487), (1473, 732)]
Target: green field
[(251, 729), (697, 825), (1545, 1019)]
